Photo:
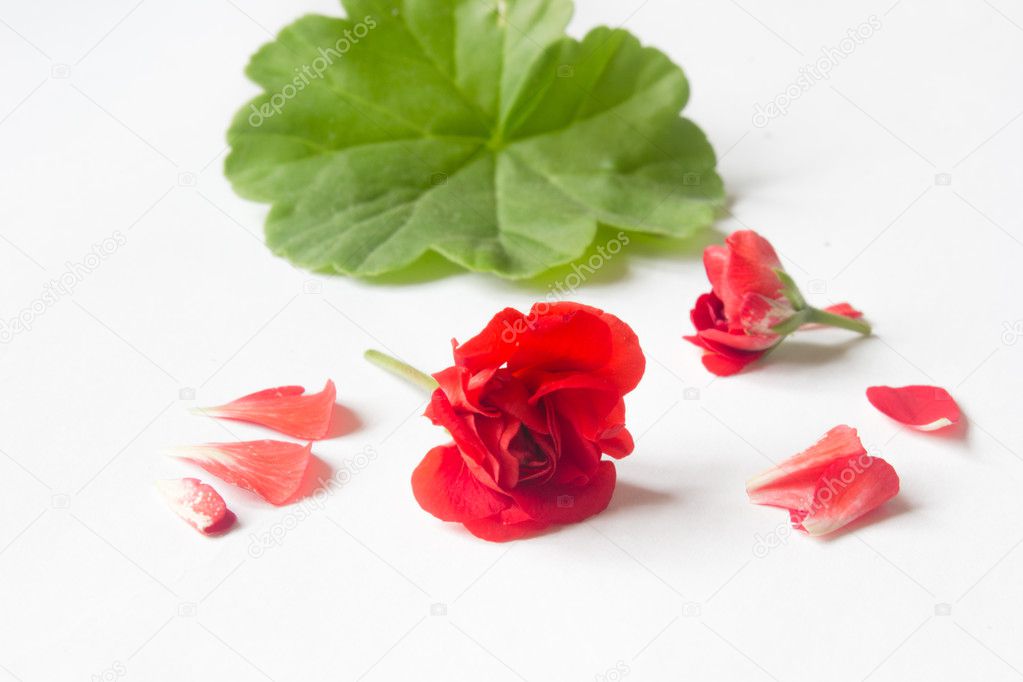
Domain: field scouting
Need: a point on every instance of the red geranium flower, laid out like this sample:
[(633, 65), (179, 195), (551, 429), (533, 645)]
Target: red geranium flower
[(753, 305), (532, 403)]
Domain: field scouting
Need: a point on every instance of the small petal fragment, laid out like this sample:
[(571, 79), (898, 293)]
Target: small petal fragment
[(828, 485), (286, 409), (198, 504), (270, 468), (923, 407)]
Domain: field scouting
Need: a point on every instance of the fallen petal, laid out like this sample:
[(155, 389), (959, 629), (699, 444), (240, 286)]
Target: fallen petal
[(828, 485), (286, 409), (847, 490), (270, 468), (198, 504), (790, 483), (923, 407)]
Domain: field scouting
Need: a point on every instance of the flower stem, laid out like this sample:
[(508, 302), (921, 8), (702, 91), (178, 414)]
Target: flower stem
[(818, 316), (402, 370)]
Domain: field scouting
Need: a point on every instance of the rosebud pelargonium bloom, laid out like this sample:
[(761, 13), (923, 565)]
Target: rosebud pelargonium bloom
[(532, 403), (753, 305)]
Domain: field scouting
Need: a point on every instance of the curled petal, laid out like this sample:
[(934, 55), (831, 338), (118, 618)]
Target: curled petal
[(727, 351), (286, 409), (789, 483), (626, 364), (829, 484), (494, 345), (847, 489), (749, 267), (725, 366), (270, 468), (721, 359), (198, 504), (483, 464), (923, 407), (445, 487)]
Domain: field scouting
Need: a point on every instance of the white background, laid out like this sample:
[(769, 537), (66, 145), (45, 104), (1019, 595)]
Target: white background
[(112, 118)]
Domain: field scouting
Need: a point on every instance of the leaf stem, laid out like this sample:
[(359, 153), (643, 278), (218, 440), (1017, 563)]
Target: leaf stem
[(401, 370), (818, 316)]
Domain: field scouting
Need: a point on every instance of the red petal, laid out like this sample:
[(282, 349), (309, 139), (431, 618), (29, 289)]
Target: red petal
[(749, 268), (445, 487), (728, 352), (721, 360), (270, 468), (617, 443), (574, 342), (626, 364), (283, 409), (923, 407), (495, 529), (198, 504), (466, 437), (845, 310), (847, 489), (494, 345), (584, 400), (790, 483), (744, 342), (725, 366), (551, 503), (708, 313)]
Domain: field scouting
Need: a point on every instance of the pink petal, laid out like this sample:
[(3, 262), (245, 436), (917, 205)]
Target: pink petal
[(847, 489), (285, 409), (788, 484), (198, 504), (923, 407), (270, 468)]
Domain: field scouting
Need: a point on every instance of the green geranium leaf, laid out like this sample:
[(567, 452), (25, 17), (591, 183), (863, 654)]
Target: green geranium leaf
[(467, 127)]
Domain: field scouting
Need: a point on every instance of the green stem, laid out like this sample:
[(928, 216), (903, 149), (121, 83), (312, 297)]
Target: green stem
[(818, 316), (402, 370)]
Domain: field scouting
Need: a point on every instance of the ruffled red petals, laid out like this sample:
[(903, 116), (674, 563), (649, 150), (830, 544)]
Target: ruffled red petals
[(286, 409), (272, 469), (445, 486), (923, 407), (532, 403), (827, 486), (198, 504)]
